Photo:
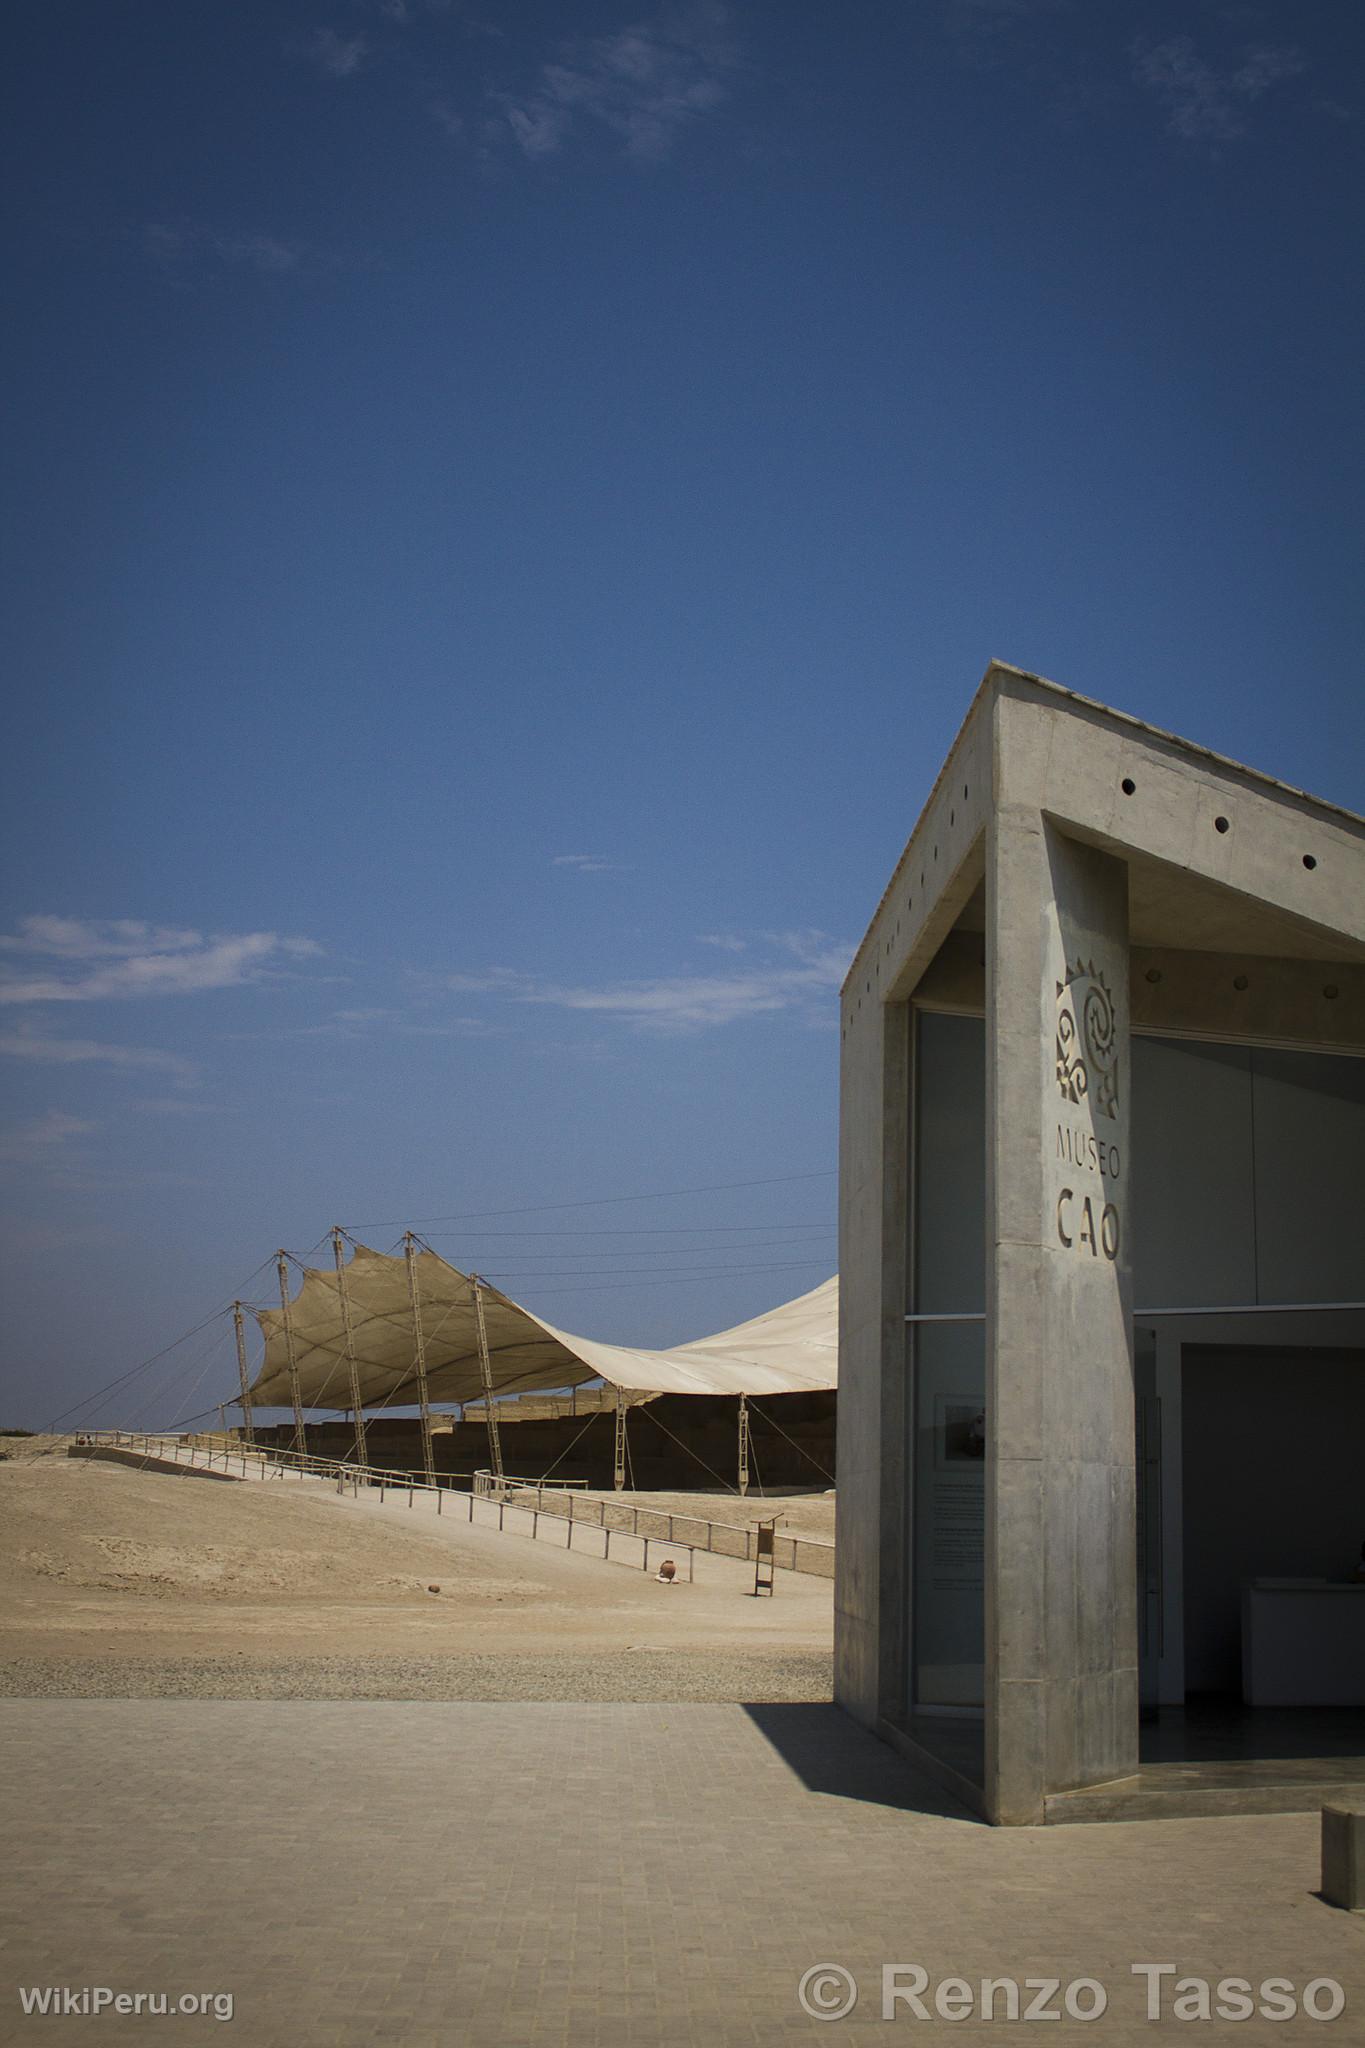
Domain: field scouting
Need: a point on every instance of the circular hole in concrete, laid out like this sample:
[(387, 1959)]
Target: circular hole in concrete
[(1331, 991), (1239, 981), (952, 818), (1220, 824), (1309, 860), (1128, 785), (1153, 974)]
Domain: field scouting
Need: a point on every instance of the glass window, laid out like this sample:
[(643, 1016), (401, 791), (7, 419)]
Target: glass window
[(947, 1463)]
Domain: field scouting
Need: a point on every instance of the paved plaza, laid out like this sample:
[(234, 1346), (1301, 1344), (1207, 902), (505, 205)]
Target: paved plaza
[(599, 1874)]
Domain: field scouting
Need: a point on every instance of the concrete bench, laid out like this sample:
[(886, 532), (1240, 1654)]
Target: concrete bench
[(1343, 1857)]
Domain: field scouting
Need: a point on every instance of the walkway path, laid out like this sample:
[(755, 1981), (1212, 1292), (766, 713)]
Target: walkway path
[(530, 1876)]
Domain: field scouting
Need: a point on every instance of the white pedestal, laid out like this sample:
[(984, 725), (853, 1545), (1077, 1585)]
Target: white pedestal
[(1303, 1643)]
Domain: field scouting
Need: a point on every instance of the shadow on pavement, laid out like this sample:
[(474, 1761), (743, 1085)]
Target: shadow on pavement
[(831, 1754)]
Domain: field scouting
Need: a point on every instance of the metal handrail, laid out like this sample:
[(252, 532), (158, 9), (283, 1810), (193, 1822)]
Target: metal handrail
[(341, 1469), (303, 1462), (483, 1484), (795, 1540)]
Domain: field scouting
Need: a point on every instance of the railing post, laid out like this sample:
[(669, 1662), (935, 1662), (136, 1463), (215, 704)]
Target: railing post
[(352, 1367), (291, 1355), (243, 1376), (486, 1377), (618, 1475)]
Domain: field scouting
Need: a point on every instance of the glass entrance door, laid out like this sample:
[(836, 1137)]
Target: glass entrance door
[(1150, 1588)]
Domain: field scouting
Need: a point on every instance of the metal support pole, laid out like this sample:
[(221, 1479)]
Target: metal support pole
[(357, 1407), (619, 1465), (743, 1444), (300, 1434), (420, 1353), (486, 1374), (242, 1373)]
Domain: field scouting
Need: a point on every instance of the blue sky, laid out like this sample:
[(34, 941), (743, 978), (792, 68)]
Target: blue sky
[(504, 512)]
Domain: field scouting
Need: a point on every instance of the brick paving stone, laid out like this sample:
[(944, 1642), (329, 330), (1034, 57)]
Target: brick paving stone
[(580, 1875)]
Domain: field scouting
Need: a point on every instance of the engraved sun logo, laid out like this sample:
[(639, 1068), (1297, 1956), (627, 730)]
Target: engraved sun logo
[(1087, 1040)]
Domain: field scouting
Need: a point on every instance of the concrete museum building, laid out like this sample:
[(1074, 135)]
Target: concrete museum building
[(1101, 1438)]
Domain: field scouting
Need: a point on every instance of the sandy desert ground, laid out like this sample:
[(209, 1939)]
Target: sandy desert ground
[(120, 1583)]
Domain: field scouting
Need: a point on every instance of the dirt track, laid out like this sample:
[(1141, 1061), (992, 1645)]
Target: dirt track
[(116, 1583)]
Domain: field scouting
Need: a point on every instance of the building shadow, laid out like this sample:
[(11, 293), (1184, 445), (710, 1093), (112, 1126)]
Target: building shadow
[(834, 1756)]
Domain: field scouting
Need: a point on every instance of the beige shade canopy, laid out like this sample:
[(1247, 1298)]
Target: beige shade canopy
[(791, 1349)]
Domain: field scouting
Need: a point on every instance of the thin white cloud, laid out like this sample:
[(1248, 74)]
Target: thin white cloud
[(259, 252), (26, 1239), (175, 1105), (993, 17), (61, 1052), (401, 12), (986, 32), (78, 1179), (453, 1027), (359, 1024), (82, 938), (490, 981), (336, 56), (538, 130), (679, 1002), (727, 942), (180, 249), (43, 1135), (804, 979), (91, 960), (644, 84), (1206, 104), (586, 863), (821, 955)]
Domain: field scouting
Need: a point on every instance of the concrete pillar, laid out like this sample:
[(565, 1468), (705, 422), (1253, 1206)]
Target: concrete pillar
[(1061, 1608), (869, 1584)]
